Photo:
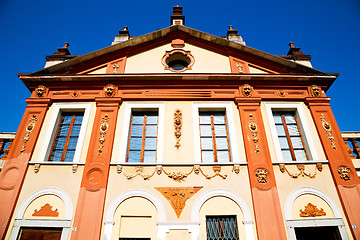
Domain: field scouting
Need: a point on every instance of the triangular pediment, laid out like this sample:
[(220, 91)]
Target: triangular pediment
[(210, 54)]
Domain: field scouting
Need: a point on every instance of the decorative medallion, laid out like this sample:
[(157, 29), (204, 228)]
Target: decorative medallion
[(239, 67), (46, 211), (253, 131), (344, 173), (75, 94), (177, 125), (262, 175), (178, 60), (236, 168), (247, 90), (40, 91), (104, 127), (119, 169), (29, 129), (177, 196), (315, 91), (74, 168), (110, 90), (312, 211), (281, 93), (328, 131), (301, 172), (115, 67)]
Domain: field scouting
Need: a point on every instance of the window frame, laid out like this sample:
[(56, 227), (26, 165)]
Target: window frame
[(52, 126), (232, 136), (138, 107), (309, 143)]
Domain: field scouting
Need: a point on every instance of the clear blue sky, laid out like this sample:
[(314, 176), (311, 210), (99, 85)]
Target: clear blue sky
[(329, 30)]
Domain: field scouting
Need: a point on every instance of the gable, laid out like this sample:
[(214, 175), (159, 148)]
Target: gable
[(210, 54)]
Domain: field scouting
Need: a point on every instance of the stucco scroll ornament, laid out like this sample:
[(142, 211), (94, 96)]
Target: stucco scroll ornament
[(344, 173), (315, 91), (29, 129), (104, 127), (328, 131), (110, 90), (261, 175), (177, 176), (312, 211), (301, 172), (247, 90), (40, 91), (177, 125), (253, 131)]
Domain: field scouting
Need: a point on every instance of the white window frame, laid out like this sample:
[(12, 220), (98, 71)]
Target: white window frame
[(303, 124), (129, 107), (51, 128), (233, 141)]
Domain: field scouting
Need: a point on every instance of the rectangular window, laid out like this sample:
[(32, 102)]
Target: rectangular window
[(214, 137), (67, 135), (40, 233), (221, 228), (143, 137), (290, 136)]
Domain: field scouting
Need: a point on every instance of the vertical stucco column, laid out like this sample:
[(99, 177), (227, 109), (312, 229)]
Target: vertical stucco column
[(90, 206), (342, 169), (14, 171), (268, 216)]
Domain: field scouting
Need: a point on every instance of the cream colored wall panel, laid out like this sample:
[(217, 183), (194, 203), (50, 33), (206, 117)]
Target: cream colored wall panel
[(178, 234), (256, 70), (99, 71), (150, 61)]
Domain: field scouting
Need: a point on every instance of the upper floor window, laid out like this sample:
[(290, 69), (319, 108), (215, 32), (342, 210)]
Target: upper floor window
[(221, 227), (68, 131), (214, 137), (290, 136), (293, 132), (143, 137)]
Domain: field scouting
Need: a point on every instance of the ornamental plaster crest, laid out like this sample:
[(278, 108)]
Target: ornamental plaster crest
[(177, 196), (344, 173), (247, 90), (262, 175), (40, 91), (110, 90), (312, 211), (315, 91), (46, 211)]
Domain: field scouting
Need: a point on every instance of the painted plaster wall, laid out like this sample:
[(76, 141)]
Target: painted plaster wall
[(49, 176), (323, 181), (237, 183), (150, 61)]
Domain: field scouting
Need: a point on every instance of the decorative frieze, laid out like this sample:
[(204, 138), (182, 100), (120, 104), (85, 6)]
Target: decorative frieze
[(301, 172), (177, 196), (312, 211)]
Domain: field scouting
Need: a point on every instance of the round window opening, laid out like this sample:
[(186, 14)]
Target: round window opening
[(178, 60)]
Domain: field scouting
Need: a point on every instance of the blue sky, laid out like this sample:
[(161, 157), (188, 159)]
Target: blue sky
[(329, 30)]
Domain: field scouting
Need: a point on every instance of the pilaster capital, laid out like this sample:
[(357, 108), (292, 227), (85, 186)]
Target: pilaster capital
[(108, 102), (247, 101), (38, 102)]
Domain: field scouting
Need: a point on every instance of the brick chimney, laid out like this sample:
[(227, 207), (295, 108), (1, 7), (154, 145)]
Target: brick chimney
[(177, 18), (62, 55), (294, 54)]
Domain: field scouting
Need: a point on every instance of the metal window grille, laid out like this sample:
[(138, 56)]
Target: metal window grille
[(221, 228)]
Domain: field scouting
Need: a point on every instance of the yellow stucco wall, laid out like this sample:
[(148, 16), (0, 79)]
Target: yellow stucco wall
[(150, 61)]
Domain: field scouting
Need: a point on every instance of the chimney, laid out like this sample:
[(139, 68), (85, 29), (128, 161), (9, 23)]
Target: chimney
[(62, 55), (123, 36), (232, 35), (294, 54), (177, 18)]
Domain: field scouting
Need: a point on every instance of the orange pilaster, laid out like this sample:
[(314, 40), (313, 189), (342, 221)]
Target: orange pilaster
[(14, 171), (90, 205), (268, 216), (341, 166)]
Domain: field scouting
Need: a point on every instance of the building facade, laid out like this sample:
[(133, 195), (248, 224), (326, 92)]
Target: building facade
[(179, 134)]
